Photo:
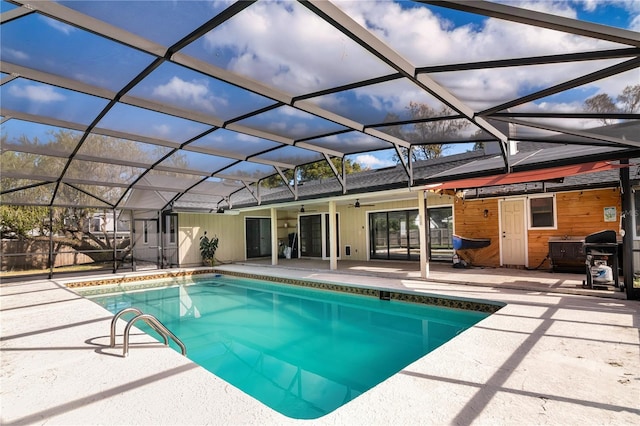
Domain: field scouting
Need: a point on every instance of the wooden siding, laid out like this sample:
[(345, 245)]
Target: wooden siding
[(470, 222), (579, 213)]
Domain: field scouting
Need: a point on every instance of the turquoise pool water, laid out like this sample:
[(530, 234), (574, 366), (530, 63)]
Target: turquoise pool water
[(300, 351)]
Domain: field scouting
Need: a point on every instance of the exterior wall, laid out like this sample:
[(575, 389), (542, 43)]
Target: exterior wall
[(469, 222), (229, 229), (579, 213), (354, 224)]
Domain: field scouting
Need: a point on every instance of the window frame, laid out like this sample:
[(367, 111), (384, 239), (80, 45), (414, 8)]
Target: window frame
[(530, 225)]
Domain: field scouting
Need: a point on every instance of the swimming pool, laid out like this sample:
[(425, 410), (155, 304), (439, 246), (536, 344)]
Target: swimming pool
[(301, 351)]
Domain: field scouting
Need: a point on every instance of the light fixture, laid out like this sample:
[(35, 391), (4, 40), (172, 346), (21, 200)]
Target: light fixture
[(486, 213), (302, 209), (220, 210), (357, 204)]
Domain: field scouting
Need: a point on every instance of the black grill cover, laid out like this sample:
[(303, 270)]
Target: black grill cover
[(602, 237)]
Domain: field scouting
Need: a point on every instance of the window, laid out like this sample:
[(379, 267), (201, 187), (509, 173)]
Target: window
[(542, 212), (172, 229), (95, 224)]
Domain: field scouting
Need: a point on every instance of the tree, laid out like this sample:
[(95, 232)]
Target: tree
[(276, 181), (601, 104), (71, 226), (22, 221), (313, 171), (320, 169), (430, 125), (630, 99)]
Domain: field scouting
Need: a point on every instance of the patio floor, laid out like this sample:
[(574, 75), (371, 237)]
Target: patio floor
[(444, 272), (550, 356)]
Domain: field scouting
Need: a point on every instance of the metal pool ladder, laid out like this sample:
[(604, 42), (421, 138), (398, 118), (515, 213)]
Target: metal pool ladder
[(152, 321)]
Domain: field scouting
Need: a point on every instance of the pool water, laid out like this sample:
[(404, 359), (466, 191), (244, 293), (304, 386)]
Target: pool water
[(303, 352)]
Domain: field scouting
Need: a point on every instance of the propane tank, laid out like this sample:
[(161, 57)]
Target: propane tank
[(602, 274)]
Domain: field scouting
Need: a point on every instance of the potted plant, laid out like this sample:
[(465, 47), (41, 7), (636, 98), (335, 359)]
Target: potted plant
[(208, 247)]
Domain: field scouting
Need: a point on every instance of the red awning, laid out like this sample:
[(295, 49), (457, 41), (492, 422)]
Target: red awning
[(528, 176)]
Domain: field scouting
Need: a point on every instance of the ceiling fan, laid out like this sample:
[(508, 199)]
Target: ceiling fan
[(357, 205)]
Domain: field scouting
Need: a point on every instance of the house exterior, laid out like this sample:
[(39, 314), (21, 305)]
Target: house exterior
[(520, 219), (521, 226)]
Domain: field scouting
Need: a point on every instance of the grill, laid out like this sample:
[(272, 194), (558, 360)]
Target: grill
[(601, 251)]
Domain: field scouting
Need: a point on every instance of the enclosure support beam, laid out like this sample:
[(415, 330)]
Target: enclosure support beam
[(160, 241), (627, 225), (115, 242), (294, 191), (50, 242), (255, 197), (407, 164), (335, 172), (132, 238)]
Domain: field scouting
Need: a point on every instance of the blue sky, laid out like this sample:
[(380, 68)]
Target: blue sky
[(301, 57)]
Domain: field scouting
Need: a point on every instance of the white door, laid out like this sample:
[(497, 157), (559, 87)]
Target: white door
[(513, 243)]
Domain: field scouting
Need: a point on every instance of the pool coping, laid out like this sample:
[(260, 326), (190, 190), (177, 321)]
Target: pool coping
[(462, 303)]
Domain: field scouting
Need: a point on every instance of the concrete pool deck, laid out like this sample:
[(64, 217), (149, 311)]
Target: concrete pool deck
[(547, 357)]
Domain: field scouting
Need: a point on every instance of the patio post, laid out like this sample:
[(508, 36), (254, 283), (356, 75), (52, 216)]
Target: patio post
[(274, 236), (333, 245), (424, 234)]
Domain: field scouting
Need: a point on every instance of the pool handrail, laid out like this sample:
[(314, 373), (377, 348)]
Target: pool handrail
[(112, 341), (150, 320)]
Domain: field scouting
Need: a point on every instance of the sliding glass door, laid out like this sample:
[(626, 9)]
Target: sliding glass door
[(314, 235), (394, 235), (258, 236), (311, 235), (441, 232)]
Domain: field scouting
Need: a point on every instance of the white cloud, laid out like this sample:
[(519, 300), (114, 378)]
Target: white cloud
[(59, 26), (18, 55), (162, 130), (190, 93), (635, 24), (247, 138), (425, 39), (372, 162), (284, 44), (37, 93)]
